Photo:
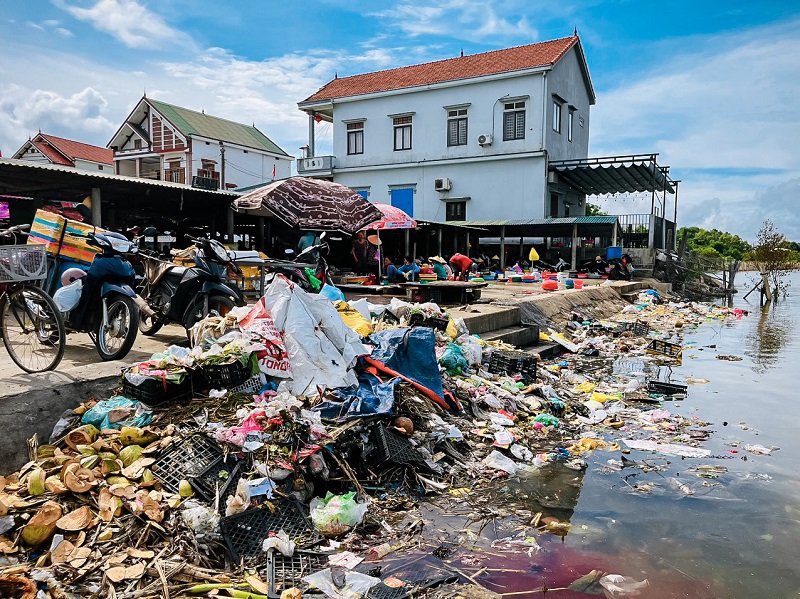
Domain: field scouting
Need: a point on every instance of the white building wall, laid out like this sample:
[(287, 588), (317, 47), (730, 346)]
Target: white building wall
[(243, 166), (503, 180), (86, 165), (566, 81)]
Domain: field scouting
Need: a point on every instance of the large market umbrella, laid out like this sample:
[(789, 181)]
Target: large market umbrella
[(311, 204), (393, 218)]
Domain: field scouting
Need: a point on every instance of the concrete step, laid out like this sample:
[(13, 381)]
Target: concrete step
[(546, 350), (491, 318), (516, 335)]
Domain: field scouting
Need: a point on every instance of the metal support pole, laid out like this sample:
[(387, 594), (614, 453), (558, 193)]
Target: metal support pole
[(96, 205), (311, 149), (260, 245), (503, 247), (614, 233), (574, 263), (230, 225), (408, 240), (439, 246)]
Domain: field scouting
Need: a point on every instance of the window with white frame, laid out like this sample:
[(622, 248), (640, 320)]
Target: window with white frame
[(355, 138), (457, 127), (402, 132), (514, 120), (557, 104), (570, 120)]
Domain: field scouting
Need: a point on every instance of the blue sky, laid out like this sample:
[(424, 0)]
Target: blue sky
[(711, 86)]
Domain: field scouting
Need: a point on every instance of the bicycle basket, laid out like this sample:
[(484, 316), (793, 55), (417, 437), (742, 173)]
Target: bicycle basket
[(22, 263)]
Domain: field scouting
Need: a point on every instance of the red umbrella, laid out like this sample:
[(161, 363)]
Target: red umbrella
[(393, 218), (311, 204)]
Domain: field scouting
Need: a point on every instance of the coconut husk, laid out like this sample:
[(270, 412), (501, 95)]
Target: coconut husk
[(84, 435), (12, 585), (43, 524), (80, 480), (55, 485), (79, 519)]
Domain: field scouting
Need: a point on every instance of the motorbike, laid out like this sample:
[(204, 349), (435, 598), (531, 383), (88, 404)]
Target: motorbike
[(296, 270), (185, 295), (101, 301), (560, 266)]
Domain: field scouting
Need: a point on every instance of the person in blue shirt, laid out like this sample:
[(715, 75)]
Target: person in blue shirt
[(391, 271), (410, 269), (439, 267), (309, 239)]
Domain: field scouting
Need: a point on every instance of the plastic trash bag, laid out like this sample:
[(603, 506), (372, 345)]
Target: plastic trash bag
[(363, 307), (281, 542), (354, 319), (497, 461), (68, 296), (331, 292), (355, 584), (116, 413), (471, 348), (337, 514), (616, 585), (453, 360)]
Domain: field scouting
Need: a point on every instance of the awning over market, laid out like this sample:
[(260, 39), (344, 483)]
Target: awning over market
[(588, 226), (614, 174)]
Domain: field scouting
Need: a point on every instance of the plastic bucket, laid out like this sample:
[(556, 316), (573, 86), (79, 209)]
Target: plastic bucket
[(578, 284), (569, 284), (614, 253)]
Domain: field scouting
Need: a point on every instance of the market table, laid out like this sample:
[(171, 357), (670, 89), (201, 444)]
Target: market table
[(444, 292)]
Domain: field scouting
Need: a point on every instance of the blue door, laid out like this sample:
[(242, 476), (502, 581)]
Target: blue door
[(363, 193), (404, 199)]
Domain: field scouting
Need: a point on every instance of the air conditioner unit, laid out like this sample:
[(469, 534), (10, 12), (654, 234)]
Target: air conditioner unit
[(442, 184), (485, 139), (552, 177)]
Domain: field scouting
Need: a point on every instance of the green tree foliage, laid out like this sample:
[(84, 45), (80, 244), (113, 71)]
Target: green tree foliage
[(714, 243), (774, 257), (594, 210)]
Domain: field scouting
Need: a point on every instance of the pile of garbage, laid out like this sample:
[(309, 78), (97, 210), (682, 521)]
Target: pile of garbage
[(338, 421)]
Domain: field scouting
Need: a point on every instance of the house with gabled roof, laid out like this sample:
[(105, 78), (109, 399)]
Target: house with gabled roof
[(461, 139), (49, 149), (171, 143)]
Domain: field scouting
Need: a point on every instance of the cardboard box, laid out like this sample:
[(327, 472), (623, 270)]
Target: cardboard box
[(63, 237)]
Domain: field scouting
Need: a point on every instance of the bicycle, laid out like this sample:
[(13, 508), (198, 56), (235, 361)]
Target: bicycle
[(31, 325)]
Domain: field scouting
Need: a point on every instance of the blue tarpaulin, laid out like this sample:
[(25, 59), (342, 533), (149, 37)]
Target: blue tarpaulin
[(410, 352), (369, 398)]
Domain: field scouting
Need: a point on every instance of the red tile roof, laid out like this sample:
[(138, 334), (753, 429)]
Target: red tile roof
[(451, 69), (52, 154), (72, 150)]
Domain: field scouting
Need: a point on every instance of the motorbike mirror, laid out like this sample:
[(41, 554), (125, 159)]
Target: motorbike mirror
[(323, 234), (288, 251)]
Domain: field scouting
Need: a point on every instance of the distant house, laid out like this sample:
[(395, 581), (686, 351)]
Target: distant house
[(170, 143), (461, 139), (49, 149)]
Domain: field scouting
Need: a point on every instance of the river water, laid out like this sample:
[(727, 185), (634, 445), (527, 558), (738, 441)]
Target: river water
[(730, 533)]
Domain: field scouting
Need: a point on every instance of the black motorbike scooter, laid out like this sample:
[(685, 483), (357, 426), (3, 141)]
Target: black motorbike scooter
[(295, 270), (186, 295)]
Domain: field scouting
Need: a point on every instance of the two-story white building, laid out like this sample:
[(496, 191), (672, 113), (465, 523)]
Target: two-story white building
[(467, 138), (170, 143)]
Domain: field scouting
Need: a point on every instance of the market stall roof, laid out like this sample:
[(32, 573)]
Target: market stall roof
[(588, 226), (449, 223), (614, 174), (21, 177)]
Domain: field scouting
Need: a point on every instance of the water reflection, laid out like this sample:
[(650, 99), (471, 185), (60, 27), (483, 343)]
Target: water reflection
[(774, 330)]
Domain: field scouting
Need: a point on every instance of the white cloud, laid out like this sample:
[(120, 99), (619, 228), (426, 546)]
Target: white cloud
[(721, 105), (460, 19), (128, 21)]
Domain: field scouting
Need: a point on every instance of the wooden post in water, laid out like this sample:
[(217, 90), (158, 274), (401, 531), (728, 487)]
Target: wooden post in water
[(766, 293)]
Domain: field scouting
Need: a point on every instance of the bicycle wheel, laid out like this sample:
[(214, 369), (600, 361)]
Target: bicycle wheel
[(33, 329)]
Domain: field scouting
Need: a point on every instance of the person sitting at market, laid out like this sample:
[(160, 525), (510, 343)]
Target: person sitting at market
[(461, 265), (392, 272), (494, 264), (439, 267), (410, 269), (359, 253), (309, 239), (598, 266)]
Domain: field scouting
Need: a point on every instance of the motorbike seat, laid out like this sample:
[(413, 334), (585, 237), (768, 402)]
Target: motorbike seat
[(157, 269)]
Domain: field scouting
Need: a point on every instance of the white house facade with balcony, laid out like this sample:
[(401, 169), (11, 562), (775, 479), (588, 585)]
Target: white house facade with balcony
[(462, 139), (170, 143)]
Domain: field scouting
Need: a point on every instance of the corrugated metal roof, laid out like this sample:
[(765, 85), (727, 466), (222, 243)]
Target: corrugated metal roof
[(613, 177), (110, 177), (568, 220), (190, 122)]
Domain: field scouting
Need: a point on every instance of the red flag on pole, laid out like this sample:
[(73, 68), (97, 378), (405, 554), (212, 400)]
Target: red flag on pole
[(274, 172)]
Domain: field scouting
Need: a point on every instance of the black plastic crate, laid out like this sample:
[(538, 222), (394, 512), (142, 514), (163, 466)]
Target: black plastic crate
[(186, 460), (512, 362), (434, 322), (286, 572), (389, 446), (223, 376), (245, 533), (664, 348), (639, 329), (666, 388), (155, 392), (417, 582), (206, 483)]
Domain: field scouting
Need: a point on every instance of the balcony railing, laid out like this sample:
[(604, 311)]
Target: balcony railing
[(205, 183), (318, 165), (646, 230)]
